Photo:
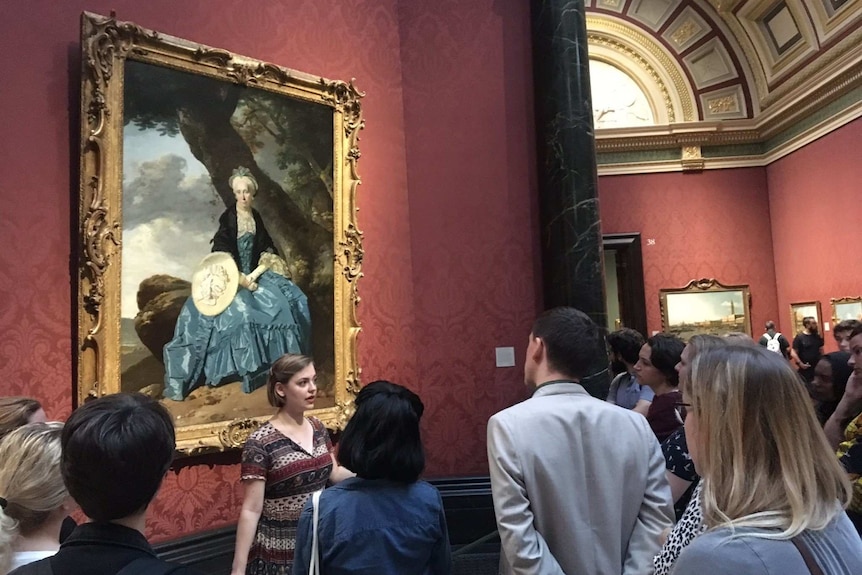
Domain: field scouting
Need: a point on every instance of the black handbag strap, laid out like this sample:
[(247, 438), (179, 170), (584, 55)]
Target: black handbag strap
[(812, 565)]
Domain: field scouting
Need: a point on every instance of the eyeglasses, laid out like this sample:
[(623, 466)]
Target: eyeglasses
[(681, 404)]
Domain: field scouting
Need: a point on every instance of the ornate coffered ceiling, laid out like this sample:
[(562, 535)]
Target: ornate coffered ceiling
[(738, 82)]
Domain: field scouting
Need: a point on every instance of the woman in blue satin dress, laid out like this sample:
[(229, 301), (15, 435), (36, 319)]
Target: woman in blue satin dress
[(268, 317)]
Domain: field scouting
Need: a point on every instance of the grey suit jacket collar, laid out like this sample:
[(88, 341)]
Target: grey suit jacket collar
[(559, 387)]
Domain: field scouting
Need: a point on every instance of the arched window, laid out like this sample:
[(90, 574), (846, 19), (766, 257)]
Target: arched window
[(618, 100)]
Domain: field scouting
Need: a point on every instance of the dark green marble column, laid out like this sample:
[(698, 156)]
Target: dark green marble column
[(573, 270)]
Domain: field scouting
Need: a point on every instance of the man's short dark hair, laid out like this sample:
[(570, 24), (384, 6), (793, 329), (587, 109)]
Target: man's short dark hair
[(382, 440), (846, 325), (856, 331), (665, 352), (627, 343), (770, 325), (116, 451), (572, 340)]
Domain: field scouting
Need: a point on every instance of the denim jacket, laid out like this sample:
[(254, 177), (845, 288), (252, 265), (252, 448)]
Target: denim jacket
[(376, 527), (626, 391)]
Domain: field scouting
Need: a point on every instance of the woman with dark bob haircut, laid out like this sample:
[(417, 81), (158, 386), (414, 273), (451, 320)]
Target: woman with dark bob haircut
[(384, 520), (656, 368)]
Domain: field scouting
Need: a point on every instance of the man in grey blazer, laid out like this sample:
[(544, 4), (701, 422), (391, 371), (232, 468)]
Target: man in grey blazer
[(579, 484)]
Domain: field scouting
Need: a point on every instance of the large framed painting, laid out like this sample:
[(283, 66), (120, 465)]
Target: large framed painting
[(801, 310), (846, 308), (705, 306), (217, 230)]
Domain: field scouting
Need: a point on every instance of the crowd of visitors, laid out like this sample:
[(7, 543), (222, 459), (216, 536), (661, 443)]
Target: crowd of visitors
[(709, 456)]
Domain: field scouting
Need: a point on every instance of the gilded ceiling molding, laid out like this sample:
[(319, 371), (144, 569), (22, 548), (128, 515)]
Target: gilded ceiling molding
[(806, 75), (634, 45), (639, 168), (779, 62), (799, 75), (807, 136), (692, 159), (812, 99), (639, 160), (737, 33), (730, 132), (807, 101), (827, 25), (724, 6), (664, 137)]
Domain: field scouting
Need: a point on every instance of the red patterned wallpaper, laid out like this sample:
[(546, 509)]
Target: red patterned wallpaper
[(470, 151), (815, 257), (713, 224)]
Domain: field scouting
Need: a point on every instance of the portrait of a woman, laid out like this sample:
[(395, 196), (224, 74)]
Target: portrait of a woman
[(268, 316)]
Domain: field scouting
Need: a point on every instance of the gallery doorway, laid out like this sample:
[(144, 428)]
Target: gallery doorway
[(624, 282)]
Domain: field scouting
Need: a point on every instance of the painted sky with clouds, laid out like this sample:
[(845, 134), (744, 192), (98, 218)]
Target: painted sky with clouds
[(170, 211)]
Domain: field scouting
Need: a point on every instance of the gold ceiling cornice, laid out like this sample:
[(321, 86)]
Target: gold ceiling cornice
[(676, 136), (729, 132), (809, 102), (793, 101)]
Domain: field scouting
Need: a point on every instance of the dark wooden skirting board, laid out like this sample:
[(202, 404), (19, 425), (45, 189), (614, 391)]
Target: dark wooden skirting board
[(469, 516)]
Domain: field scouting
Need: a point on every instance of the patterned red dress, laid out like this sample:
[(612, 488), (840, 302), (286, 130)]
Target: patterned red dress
[(292, 475)]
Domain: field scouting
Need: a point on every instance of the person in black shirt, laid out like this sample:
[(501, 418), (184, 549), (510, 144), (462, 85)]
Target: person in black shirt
[(115, 452), (775, 341), (808, 346)]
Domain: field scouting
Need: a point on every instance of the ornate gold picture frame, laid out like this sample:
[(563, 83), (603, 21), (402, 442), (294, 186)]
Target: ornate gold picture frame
[(705, 306), (846, 308), (801, 310), (171, 133)]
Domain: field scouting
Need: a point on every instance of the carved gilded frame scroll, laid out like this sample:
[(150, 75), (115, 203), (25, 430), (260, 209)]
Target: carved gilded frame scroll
[(113, 48), (705, 306)]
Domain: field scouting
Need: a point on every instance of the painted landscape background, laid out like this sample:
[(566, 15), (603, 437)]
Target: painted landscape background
[(716, 313)]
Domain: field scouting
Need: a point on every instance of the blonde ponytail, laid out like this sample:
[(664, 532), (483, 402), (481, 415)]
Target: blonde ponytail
[(31, 485)]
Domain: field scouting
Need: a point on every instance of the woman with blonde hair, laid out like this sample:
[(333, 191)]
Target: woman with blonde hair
[(685, 484), (386, 519), (772, 489), (33, 499)]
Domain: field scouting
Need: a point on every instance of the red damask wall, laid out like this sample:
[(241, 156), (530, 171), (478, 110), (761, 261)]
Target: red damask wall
[(713, 224), (41, 74), (809, 191), (470, 152)]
